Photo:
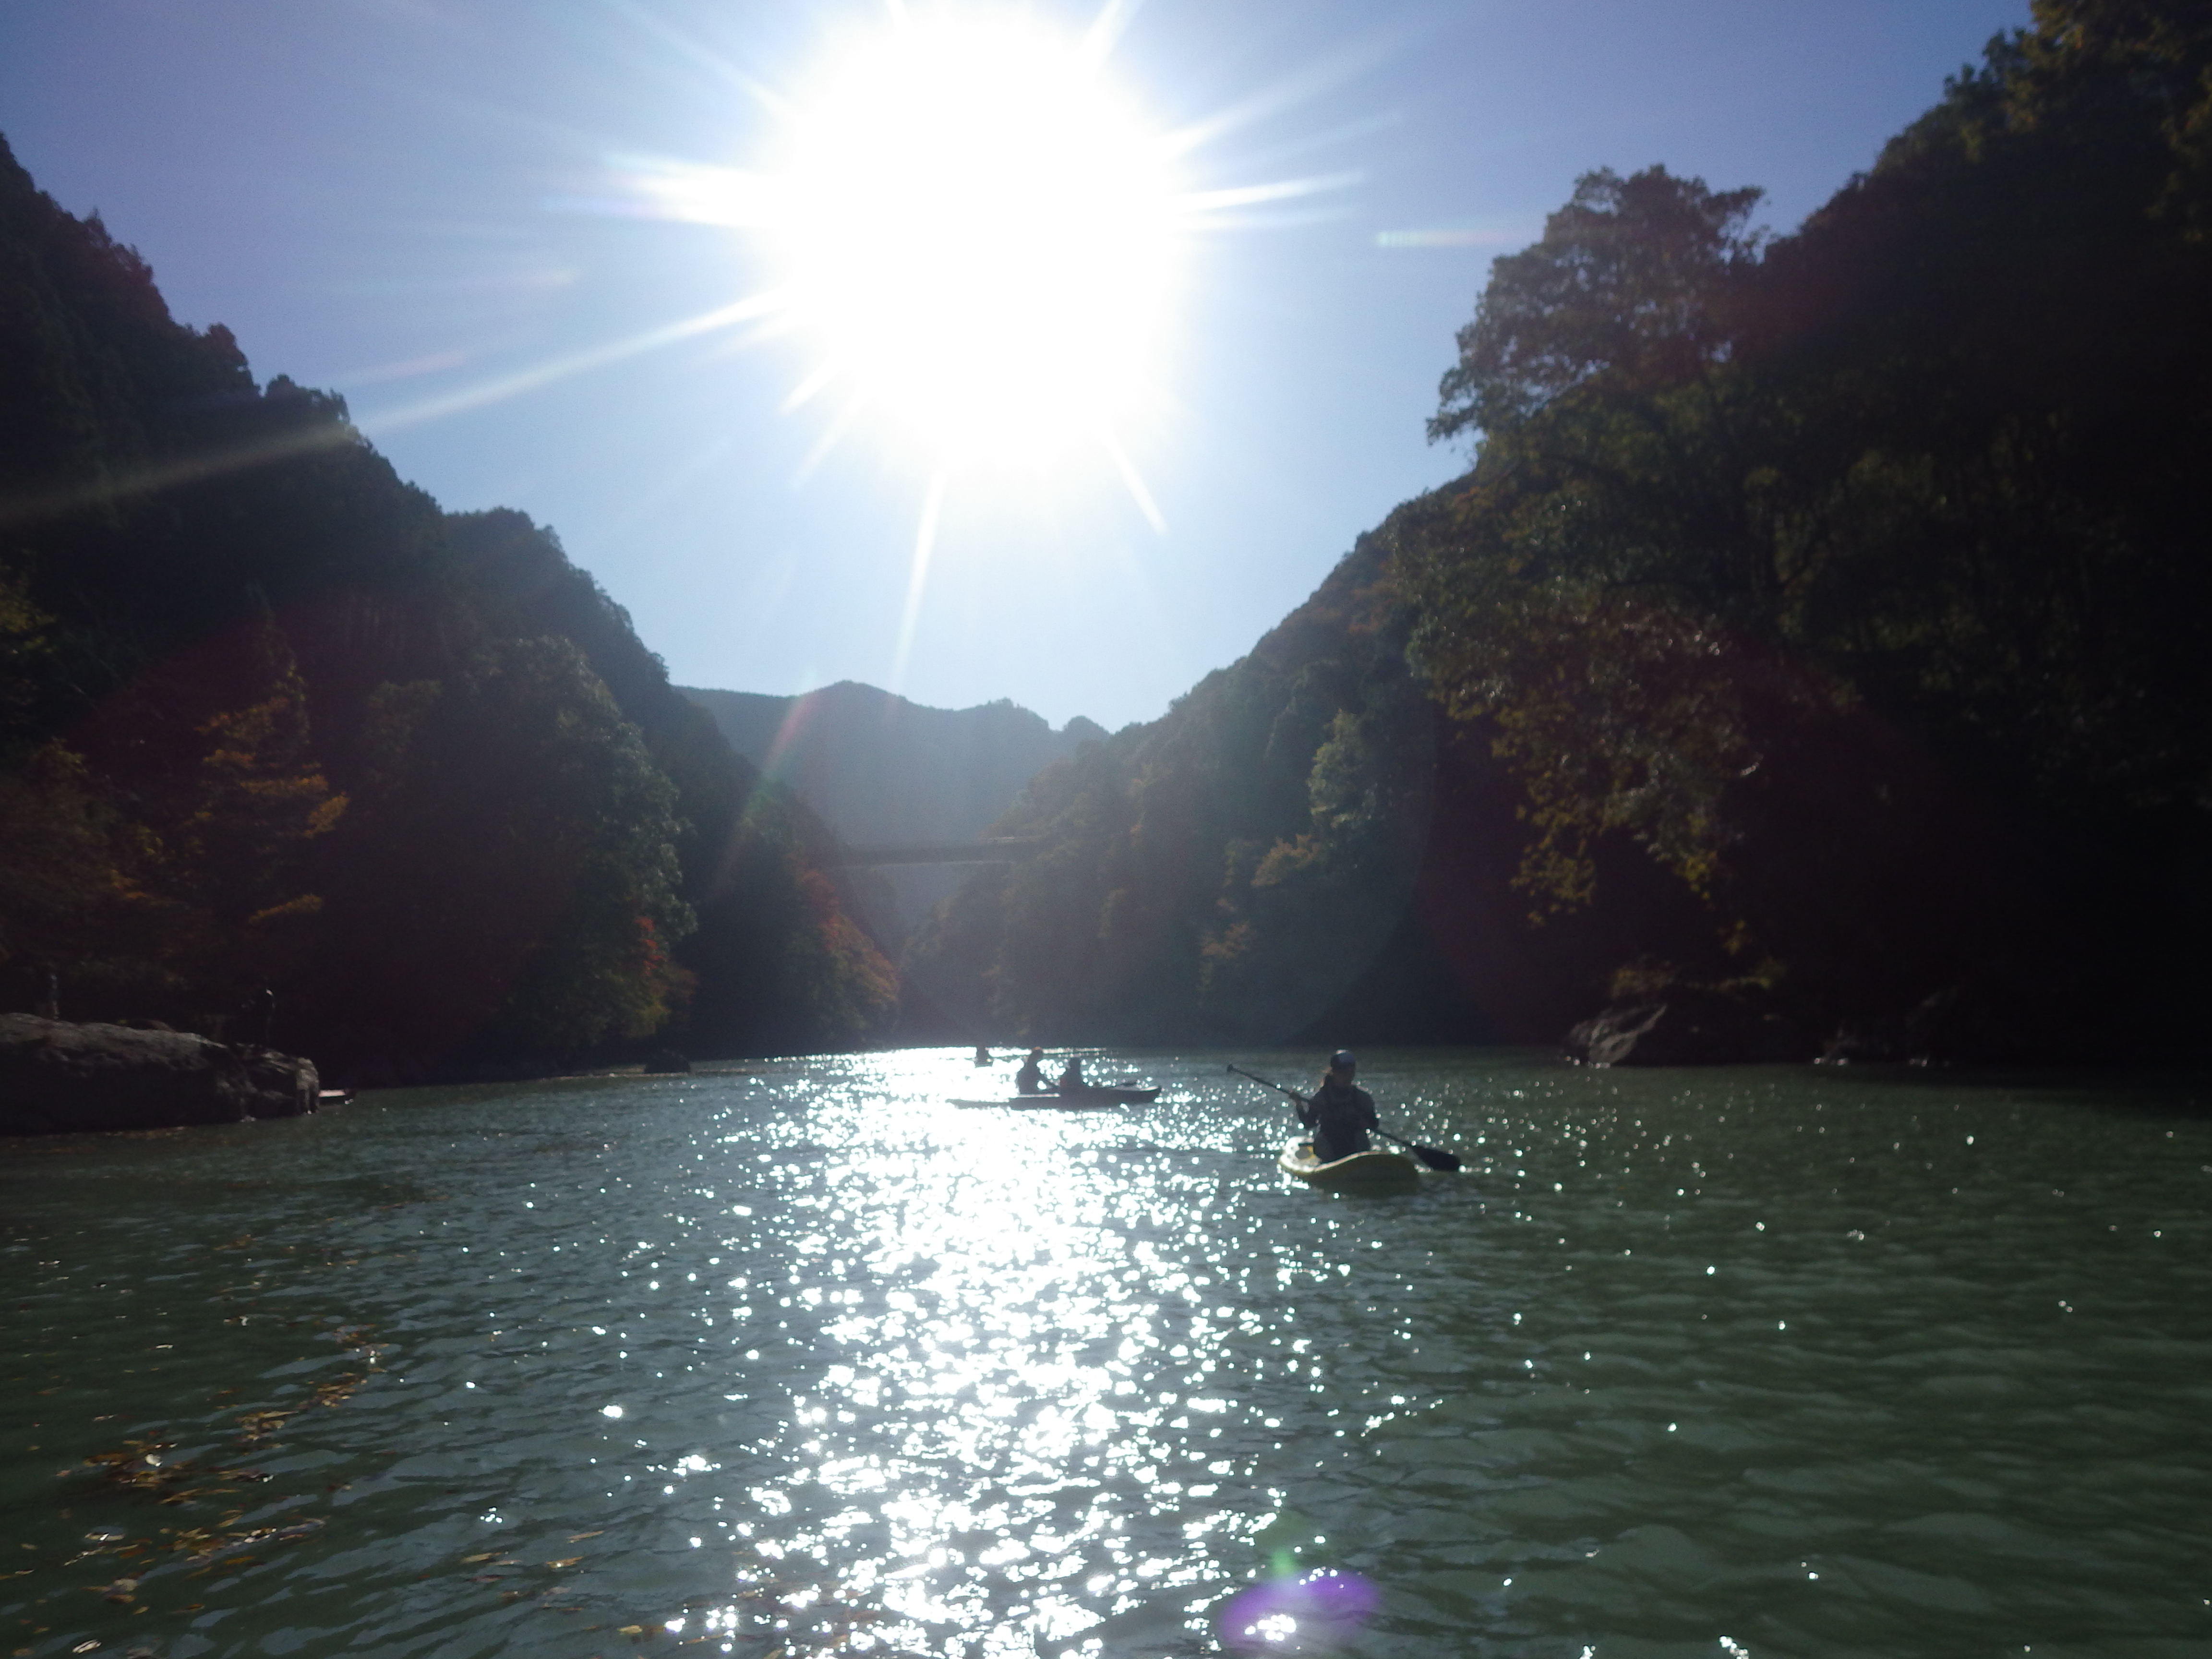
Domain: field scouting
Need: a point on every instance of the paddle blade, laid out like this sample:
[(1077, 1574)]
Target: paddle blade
[(1437, 1158)]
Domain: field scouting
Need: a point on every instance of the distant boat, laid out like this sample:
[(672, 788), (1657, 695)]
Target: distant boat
[(1107, 1094), (1089, 1098)]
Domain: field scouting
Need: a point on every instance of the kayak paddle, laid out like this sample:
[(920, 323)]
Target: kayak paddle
[(1435, 1156)]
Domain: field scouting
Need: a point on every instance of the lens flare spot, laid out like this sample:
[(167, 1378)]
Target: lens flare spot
[(1316, 1613)]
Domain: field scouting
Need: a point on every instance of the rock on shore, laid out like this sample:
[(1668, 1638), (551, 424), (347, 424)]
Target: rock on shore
[(60, 1077), (1685, 1025)]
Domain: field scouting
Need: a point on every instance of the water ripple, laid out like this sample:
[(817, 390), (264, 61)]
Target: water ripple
[(797, 1357)]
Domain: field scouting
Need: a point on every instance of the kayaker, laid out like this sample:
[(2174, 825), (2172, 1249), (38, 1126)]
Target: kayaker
[(1339, 1113), (1030, 1080), (1070, 1076)]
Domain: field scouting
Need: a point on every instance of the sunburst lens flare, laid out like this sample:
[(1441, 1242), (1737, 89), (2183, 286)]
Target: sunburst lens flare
[(981, 229)]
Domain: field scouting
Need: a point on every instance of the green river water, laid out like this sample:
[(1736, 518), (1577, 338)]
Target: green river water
[(797, 1359)]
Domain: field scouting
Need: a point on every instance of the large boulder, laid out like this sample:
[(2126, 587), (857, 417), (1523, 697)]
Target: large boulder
[(2011, 1020), (1685, 1025), (1918, 1037), (60, 1077)]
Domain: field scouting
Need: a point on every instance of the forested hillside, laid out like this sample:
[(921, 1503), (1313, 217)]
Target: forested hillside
[(283, 748), (1821, 622)]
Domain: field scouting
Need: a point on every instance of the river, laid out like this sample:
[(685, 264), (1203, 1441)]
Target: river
[(794, 1358)]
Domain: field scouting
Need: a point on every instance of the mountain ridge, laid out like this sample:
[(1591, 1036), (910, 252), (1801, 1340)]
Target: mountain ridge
[(881, 768)]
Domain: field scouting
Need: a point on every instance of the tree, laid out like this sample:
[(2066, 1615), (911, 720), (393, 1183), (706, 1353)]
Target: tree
[(240, 847), (1625, 298), (507, 874), (76, 908), (781, 966), (1596, 589)]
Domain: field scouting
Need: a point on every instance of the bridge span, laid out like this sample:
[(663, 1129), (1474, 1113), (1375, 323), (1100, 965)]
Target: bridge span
[(1010, 849)]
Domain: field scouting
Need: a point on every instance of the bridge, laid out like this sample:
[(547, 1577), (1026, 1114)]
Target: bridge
[(1010, 849)]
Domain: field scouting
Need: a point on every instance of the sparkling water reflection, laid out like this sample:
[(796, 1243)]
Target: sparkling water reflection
[(797, 1357)]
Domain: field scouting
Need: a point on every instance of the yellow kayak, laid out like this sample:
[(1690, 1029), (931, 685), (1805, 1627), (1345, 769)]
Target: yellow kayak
[(1365, 1172)]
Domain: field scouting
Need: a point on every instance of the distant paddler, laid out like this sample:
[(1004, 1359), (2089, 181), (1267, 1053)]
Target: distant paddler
[(1030, 1080)]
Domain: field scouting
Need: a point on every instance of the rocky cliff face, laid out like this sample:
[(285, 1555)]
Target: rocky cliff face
[(59, 1078)]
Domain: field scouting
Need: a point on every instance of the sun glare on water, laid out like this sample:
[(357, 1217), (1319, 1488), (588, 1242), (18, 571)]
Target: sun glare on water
[(977, 232)]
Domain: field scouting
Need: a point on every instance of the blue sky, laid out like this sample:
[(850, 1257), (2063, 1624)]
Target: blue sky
[(403, 200)]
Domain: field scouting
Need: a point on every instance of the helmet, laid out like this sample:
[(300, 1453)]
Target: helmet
[(1341, 1060)]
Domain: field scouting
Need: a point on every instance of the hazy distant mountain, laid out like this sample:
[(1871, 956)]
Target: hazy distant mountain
[(880, 769)]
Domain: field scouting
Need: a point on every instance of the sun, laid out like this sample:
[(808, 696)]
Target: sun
[(977, 233)]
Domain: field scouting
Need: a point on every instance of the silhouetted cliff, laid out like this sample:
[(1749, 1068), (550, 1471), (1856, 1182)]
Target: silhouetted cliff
[(1819, 629), (286, 750)]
